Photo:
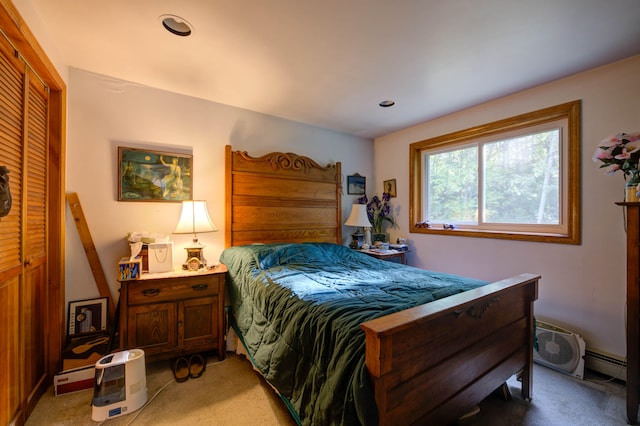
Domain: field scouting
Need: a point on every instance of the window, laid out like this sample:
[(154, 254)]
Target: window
[(516, 178)]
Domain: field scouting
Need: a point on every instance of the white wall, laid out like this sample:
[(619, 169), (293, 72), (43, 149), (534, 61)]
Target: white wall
[(105, 113), (583, 286), (38, 29)]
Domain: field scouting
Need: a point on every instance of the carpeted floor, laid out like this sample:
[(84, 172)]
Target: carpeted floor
[(558, 400), (228, 393), (232, 393)]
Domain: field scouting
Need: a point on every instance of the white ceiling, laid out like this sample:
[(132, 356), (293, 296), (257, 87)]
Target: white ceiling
[(330, 62)]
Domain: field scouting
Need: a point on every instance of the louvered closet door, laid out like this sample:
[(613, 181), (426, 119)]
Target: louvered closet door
[(11, 111), (23, 238), (34, 291)]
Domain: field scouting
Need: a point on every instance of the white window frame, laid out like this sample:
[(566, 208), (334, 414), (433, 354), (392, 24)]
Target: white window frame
[(565, 117)]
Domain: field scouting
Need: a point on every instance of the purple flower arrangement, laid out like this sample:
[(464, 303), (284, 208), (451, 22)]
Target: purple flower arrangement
[(378, 211)]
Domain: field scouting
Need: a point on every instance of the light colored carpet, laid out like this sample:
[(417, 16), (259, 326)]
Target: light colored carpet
[(232, 393), (228, 393)]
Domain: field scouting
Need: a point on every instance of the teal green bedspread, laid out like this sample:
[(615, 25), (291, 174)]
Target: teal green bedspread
[(299, 308)]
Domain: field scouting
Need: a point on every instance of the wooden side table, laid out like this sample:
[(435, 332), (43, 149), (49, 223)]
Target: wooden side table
[(174, 313), (633, 310), (387, 254)]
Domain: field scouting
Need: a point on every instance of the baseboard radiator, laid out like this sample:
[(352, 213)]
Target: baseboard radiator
[(607, 364)]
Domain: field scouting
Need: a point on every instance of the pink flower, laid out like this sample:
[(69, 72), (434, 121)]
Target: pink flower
[(624, 155), (610, 141), (619, 152), (601, 154), (632, 146), (631, 137), (611, 169)]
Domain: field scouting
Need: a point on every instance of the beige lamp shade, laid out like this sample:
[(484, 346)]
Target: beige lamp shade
[(194, 219), (358, 216)]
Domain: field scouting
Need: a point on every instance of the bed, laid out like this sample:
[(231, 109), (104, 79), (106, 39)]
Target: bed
[(341, 336)]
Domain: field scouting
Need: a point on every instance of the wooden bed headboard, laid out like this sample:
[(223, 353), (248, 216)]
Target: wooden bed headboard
[(281, 197)]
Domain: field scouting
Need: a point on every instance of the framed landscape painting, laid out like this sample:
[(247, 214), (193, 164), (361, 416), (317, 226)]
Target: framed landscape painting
[(145, 175), (356, 184)]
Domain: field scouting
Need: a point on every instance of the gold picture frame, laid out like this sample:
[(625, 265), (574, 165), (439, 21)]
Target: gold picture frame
[(146, 175), (390, 187)]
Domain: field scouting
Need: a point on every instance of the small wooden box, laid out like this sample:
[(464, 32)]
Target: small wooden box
[(130, 269)]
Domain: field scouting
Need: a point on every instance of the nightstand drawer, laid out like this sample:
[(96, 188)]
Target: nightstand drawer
[(173, 314), (169, 289)]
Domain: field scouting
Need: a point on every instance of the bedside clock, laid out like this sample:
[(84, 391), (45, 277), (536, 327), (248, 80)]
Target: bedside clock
[(193, 264)]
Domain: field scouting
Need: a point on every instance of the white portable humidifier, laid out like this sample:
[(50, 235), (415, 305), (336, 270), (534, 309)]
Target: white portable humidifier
[(120, 384)]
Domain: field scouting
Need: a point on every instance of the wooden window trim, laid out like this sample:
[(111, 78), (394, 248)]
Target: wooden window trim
[(569, 111)]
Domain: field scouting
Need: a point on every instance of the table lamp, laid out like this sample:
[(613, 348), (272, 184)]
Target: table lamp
[(194, 219), (360, 220)]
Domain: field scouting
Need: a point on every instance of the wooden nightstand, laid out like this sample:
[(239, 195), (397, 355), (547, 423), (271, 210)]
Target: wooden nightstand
[(387, 254), (174, 313)]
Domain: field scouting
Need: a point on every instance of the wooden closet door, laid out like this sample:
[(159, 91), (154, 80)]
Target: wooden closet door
[(23, 239), (34, 290), (11, 127)]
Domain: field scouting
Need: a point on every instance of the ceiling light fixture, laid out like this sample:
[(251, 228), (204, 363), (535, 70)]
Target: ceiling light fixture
[(387, 104), (176, 25)]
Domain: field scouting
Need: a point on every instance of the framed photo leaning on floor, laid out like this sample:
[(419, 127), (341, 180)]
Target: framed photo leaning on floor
[(87, 317)]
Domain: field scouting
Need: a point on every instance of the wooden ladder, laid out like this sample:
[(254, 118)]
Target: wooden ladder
[(92, 254)]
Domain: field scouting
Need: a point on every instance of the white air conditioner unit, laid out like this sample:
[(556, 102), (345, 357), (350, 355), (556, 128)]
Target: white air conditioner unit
[(559, 349)]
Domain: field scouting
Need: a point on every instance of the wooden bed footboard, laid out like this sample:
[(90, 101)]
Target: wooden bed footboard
[(433, 363)]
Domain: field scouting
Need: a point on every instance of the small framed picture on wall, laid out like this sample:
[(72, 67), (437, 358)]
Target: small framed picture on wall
[(356, 184), (390, 187)]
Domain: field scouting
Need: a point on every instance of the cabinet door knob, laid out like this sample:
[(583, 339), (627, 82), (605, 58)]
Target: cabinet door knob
[(28, 262), (200, 287), (151, 292)]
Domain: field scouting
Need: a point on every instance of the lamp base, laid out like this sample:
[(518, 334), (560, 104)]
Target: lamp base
[(357, 239), (195, 259)]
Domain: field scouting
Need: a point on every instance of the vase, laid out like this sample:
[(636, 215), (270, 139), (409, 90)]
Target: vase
[(631, 187), (379, 237), (367, 236)]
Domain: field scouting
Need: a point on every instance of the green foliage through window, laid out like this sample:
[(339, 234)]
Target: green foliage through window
[(522, 179), (517, 178), (453, 185)]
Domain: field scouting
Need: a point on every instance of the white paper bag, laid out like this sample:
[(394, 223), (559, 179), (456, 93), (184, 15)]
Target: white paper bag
[(160, 257)]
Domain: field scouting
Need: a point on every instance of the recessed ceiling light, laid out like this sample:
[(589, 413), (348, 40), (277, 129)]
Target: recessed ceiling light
[(387, 104), (176, 25)]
